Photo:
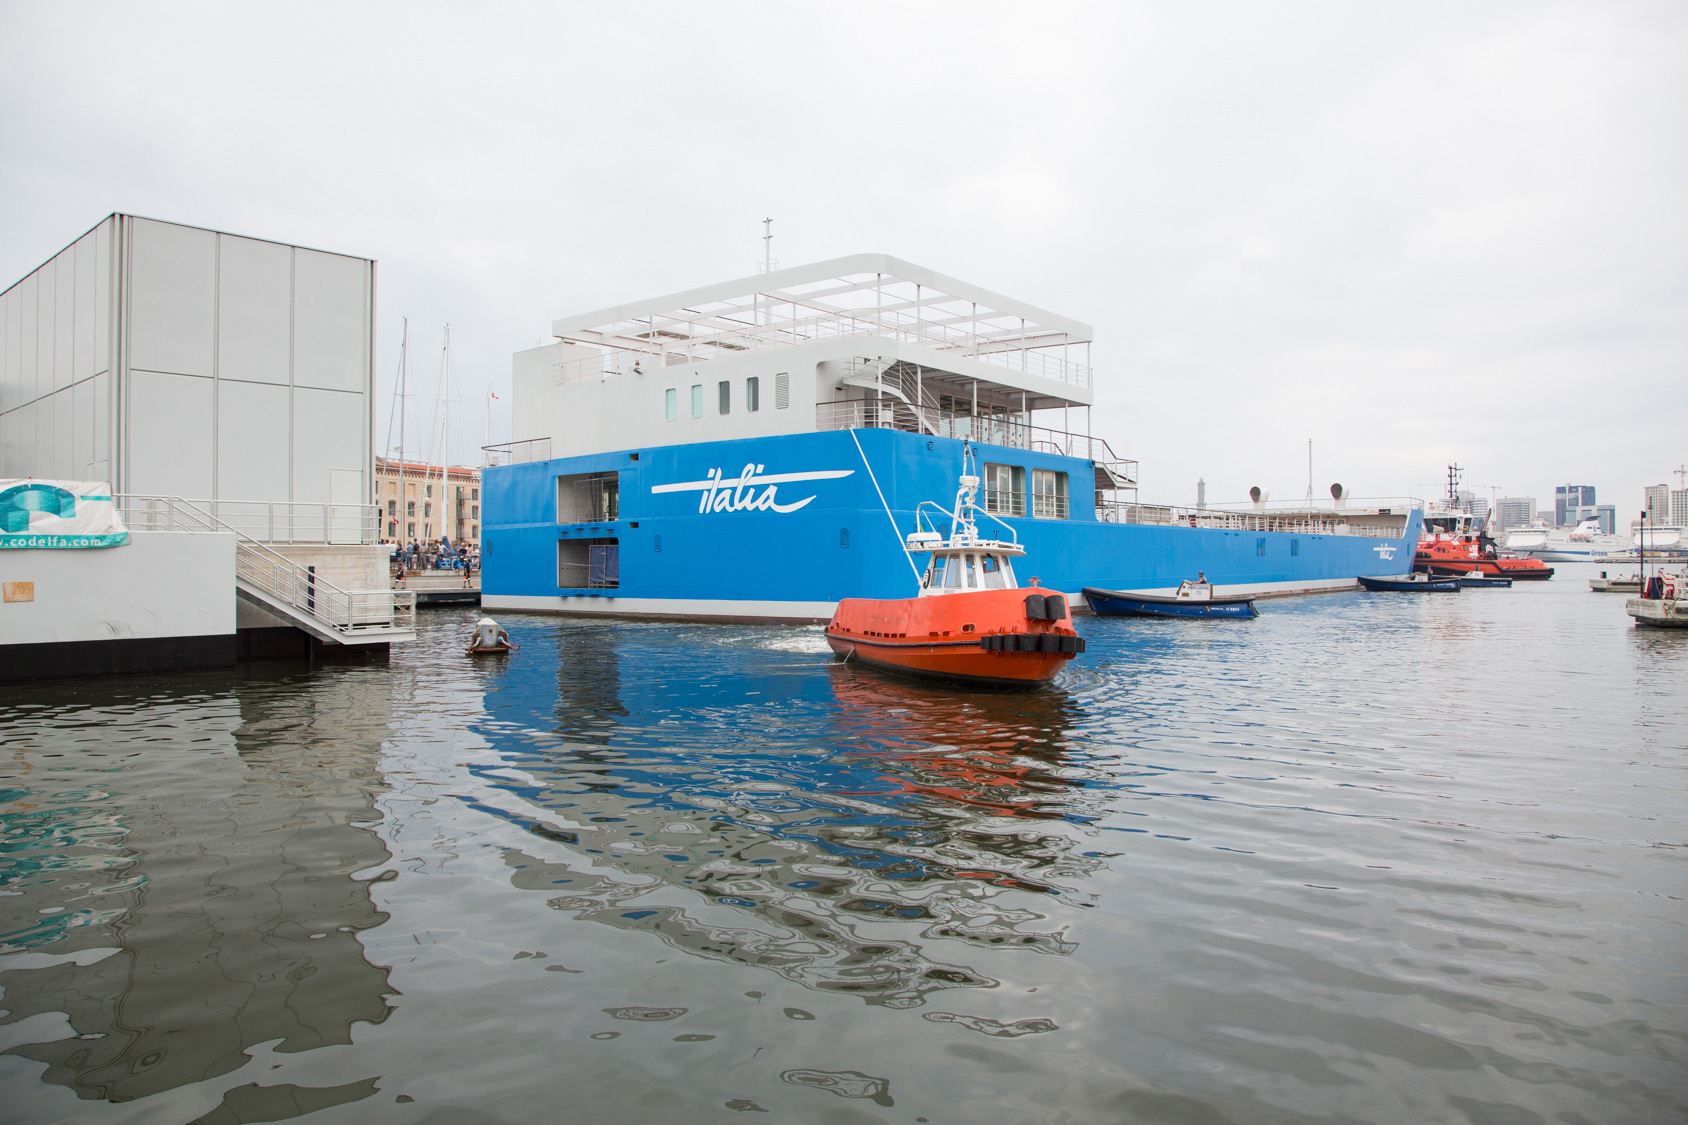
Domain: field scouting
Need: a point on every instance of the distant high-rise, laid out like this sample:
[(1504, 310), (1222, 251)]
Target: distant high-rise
[(1607, 514), (1473, 504), (1568, 502), (1679, 507), (1657, 503), (1514, 511)]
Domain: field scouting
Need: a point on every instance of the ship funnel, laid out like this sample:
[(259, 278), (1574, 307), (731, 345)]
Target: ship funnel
[(1258, 495), (1339, 494)]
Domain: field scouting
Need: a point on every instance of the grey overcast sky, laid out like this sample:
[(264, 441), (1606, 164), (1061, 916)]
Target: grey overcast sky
[(1413, 233)]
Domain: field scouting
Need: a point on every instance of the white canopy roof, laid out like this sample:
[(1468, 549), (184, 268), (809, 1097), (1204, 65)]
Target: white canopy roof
[(864, 294)]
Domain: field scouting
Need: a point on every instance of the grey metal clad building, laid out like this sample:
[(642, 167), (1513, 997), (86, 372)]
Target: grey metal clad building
[(173, 360)]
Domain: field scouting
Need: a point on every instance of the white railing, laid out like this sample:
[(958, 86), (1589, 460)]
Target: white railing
[(282, 521), (1379, 519), (346, 613), (895, 414), (517, 452), (1005, 352)]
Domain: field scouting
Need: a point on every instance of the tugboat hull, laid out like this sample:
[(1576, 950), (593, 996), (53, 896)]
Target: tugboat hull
[(999, 638)]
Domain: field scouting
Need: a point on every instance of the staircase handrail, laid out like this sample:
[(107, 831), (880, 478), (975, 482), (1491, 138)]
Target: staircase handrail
[(286, 580)]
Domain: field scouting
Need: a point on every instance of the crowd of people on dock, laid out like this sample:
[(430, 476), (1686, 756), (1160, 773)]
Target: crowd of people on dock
[(415, 557)]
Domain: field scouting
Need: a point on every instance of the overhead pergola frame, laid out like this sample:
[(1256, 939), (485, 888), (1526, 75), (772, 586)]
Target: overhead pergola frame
[(861, 295)]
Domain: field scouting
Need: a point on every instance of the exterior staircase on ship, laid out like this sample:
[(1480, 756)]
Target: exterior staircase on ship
[(903, 401)]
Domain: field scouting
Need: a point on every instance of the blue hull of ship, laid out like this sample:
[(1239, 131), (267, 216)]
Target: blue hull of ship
[(804, 520)]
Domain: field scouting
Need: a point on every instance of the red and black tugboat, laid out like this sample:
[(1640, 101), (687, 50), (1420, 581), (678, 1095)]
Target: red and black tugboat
[(970, 620), (1455, 542)]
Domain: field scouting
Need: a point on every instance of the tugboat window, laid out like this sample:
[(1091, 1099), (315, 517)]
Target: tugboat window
[(993, 572), (952, 580), (671, 404), (697, 400), (752, 395), (935, 573), (725, 390), (972, 574)]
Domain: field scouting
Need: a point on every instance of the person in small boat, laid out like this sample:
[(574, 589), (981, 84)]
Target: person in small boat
[(1201, 578), (489, 634)]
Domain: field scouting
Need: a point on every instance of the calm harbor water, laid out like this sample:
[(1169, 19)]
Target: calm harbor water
[(1370, 858)]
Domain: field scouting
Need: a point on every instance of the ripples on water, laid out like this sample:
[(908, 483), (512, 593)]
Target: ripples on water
[(1368, 858)]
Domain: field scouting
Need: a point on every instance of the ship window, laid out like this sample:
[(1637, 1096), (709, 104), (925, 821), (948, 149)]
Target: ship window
[(1049, 494), (1260, 547), (1005, 490), (993, 572), (697, 400), (1295, 546), (671, 404), (725, 389), (972, 574), (752, 395), (843, 537), (782, 390)]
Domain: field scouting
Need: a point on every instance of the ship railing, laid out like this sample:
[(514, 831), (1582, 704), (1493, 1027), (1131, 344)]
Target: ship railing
[(894, 414), (341, 612), (1385, 520), (517, 452), (1002, 351)]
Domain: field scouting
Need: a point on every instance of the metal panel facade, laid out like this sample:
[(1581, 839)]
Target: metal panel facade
[(180, 361)]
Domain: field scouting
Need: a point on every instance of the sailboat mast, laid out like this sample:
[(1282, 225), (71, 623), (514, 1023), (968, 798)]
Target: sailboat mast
[(445, 428)]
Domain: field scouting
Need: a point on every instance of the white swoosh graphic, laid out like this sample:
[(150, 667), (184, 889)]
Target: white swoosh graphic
[(771, 478)]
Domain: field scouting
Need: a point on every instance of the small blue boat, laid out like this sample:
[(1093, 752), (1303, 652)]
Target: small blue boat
[(1413, 584), (1193, 599), (1484, 581)]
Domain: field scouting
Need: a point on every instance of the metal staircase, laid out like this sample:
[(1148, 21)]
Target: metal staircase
[(270, 580)]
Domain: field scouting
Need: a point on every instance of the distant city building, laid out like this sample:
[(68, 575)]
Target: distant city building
[(1568, 502), (1657, 503), (1607, 514), (1514, 511), (1473, 504), (1679, 507), (419, 503)]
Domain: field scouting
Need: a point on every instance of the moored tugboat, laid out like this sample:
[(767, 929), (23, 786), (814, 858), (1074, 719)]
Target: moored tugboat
[(1455, 543), (971, 621)]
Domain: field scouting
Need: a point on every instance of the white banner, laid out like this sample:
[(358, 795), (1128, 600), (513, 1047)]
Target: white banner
[(59, 513)]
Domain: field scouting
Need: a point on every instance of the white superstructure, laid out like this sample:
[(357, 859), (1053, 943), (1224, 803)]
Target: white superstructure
[(863, 340)]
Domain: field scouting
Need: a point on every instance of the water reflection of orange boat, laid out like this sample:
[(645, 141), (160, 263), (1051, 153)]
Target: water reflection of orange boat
[(970, 619), (998, 754)]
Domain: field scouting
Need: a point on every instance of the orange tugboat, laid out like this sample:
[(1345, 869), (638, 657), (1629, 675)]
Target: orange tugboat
[(1454, 542), (970, 621)]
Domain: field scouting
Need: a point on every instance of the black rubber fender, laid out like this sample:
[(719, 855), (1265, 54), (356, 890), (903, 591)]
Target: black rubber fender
[(1037, 607), (1055, 607)]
